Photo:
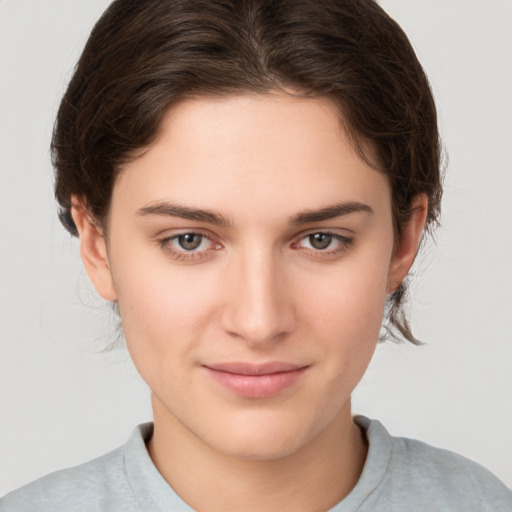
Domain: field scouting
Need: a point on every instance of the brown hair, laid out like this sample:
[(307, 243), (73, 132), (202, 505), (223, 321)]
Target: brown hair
[(143, 56)]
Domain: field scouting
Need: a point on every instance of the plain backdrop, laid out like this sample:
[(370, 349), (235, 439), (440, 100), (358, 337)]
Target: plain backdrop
[(63, 401)]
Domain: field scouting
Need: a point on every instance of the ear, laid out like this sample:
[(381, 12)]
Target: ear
[(93, 249), (406, 249)]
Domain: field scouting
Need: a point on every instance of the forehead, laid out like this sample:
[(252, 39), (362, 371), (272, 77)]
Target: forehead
[(255, 150)]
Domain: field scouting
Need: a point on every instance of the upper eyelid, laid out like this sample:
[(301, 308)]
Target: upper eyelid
[(168, 235), (175, 236), (297, 238), (182, 254), (332, 232)]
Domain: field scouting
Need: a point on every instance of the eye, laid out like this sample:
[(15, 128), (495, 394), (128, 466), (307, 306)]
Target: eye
[(189, 241), (320, 241), (324, 242), (189, 245)]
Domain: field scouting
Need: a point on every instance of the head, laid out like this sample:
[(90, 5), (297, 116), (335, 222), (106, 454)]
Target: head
[(231, 111), (144, 57)]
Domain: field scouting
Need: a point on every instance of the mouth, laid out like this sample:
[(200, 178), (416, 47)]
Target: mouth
[(251, 380)]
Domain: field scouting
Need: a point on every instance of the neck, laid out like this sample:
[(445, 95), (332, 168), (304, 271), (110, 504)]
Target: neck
[(315, 477)]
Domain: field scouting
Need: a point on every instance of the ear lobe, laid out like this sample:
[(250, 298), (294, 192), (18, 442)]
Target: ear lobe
[(405, 252), (93, 250)]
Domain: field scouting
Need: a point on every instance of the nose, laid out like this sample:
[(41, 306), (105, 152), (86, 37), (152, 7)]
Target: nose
[(258, 306)]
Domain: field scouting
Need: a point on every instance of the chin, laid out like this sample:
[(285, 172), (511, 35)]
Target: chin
[(261, 439), (261, 448)]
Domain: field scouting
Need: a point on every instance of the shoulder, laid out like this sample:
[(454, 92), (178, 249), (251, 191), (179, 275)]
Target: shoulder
[(82, 487), (100, 484), (451, 475), (432, 476)]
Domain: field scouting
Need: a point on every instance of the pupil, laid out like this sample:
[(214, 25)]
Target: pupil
[(189, 241), (320, 240)]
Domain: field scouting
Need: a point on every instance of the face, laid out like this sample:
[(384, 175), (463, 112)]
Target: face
[(250, 251)]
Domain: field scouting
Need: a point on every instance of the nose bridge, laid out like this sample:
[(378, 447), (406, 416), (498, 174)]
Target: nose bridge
[(257, 309)]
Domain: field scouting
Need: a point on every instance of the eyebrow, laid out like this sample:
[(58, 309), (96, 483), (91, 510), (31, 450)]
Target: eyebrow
[(175, 210), (211, 217), (330, 212)]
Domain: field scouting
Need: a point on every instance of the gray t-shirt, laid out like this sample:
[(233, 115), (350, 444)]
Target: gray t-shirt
[(399, 475)]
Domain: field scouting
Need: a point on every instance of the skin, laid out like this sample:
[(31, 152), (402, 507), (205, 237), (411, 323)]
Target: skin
[(255, 290)]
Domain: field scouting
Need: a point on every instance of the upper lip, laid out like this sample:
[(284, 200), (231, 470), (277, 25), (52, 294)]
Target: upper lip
[(267, 368)]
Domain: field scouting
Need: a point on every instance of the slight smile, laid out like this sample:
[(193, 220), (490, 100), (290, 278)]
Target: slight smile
[(251, 380)]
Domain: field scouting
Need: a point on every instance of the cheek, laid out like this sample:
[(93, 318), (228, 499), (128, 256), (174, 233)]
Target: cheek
[(350, 300), (344, 312), (163, 321), (162, 306)]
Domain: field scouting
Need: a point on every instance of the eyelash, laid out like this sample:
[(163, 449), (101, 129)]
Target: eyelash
[(344, 244), (184, 255)]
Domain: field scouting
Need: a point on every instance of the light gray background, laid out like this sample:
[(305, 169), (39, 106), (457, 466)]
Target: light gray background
[(62, 402)]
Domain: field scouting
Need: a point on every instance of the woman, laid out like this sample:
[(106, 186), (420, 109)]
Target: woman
[(250, 182)]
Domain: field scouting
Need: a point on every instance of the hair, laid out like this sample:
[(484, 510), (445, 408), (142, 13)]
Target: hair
[(144, 56)]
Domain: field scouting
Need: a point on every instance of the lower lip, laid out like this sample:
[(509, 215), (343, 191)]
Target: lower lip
[(257, 386)]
